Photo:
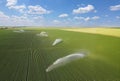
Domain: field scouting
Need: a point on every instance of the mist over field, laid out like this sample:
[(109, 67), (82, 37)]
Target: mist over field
[(64, 60)]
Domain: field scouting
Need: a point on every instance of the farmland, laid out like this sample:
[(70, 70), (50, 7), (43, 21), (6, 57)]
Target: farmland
[(104, 31), (25, 56)]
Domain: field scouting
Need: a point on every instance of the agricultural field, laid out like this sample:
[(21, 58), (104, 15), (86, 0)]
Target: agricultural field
[(25, 56), (104, 31)]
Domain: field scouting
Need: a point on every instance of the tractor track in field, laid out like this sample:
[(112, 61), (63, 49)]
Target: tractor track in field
[(28, 60), (32, 63), (27, 72)]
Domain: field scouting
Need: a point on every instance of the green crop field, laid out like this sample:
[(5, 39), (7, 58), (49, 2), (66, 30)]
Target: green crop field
[(25, 56)]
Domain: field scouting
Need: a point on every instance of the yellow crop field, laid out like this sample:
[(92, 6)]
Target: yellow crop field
[(102, 31)]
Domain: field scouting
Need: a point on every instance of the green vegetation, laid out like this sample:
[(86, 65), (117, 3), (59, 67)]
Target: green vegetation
[(25, 56)]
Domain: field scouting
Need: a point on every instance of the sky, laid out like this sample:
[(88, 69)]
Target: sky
[(75, 13)]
